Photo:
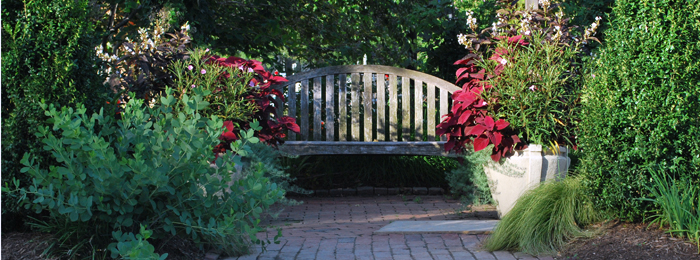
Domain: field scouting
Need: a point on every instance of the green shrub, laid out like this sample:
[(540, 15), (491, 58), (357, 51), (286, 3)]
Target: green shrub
[(152, 168), (641, 105), (679, 203), (47, 54), (544, 218)]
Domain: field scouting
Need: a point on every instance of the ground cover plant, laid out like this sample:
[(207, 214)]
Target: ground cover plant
[(641, 106)]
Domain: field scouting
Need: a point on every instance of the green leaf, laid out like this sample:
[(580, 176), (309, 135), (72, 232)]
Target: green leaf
[(128, 222)]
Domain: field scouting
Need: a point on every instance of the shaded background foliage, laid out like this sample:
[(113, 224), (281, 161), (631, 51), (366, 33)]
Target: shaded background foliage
[(48, 46), (46, 55)]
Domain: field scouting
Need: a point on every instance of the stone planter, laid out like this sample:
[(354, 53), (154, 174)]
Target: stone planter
[(522, 171)]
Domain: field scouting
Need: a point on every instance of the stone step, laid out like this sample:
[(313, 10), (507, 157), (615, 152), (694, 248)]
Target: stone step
[(439, 226)]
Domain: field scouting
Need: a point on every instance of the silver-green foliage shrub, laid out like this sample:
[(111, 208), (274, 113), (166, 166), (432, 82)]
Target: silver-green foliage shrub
[(468, 181), (641, 105), (153, 168)]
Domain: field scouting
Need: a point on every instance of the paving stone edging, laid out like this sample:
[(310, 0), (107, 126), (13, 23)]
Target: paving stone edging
[(373, 191)]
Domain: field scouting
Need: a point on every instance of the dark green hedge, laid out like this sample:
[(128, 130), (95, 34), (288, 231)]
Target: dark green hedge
[(47, 54), (642, 102)]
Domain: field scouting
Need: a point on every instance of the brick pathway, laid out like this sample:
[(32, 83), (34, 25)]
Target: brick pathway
[(341, 228)]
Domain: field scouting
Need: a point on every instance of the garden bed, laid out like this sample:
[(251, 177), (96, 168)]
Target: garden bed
[(29, 246), (622, 241)]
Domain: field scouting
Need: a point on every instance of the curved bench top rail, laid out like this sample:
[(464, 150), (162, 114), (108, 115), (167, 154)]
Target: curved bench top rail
[(379, 69)]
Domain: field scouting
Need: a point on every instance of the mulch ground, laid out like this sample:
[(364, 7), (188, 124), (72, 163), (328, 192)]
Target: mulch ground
[(30, 246), (631, 241)]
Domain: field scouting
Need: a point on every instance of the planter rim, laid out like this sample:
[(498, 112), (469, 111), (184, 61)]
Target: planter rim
[(540, 148)]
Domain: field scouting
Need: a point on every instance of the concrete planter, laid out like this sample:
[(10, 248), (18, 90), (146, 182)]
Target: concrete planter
[(522, 171)]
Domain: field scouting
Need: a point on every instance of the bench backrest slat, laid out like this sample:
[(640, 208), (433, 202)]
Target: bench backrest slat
[(355, 107), (405, 109), (381, 97), (430, 98), (393, 108), (330, 109), (381, 108), (342, 108), (418, 109), (291, 107), (367, 104), (304, 105), (443, 106), (317, 108)]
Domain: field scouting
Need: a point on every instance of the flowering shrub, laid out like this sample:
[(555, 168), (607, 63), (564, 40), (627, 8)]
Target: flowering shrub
[(240, 93), (141, 65), (240, 89), (526, 91), (273, 126)]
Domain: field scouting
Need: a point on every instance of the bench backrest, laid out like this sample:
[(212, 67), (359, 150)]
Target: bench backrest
[(379, 103)]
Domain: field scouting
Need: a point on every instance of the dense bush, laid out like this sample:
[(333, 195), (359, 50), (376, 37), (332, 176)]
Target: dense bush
[(46, 55), (642, 103), (150, 168)]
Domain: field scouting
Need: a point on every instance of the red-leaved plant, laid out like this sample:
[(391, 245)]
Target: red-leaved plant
[(468, 122)]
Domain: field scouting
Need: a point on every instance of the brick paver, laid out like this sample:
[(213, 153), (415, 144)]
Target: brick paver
[(329, 228)]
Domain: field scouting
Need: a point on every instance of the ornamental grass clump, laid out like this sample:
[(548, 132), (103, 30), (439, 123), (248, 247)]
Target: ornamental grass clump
[(545, 218), (520, 82)]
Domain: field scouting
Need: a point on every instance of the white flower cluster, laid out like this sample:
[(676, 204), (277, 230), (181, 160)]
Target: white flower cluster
[(557, 33), (591, 30), (525, 23), (559, 15), (471, 21), (501, 20), (463, 40), (545, 4)]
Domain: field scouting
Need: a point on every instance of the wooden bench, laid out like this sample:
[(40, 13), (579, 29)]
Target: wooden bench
[(365, 109)]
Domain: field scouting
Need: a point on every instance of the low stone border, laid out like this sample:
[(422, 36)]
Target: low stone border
[(372, 191)]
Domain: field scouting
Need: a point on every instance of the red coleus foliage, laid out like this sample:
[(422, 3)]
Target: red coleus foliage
[(468, 122), (261, 92)]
